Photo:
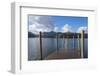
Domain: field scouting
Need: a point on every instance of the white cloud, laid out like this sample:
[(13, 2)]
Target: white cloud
[(82, 28), (56, 29), (45, 24), (40, 23), (66, 28)]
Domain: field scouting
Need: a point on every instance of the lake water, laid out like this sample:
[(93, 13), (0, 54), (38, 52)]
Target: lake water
[(49, 45)]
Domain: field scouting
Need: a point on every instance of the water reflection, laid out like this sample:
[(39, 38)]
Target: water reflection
[(49, 45)]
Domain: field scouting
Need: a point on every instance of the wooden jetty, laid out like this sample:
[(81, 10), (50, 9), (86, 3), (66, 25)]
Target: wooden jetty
[(65, 53)]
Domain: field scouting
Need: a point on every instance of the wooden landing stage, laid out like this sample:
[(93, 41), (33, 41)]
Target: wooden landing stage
[(64, 54)]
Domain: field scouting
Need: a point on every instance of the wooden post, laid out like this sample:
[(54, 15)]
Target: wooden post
[(73, 42), (78, 42), (79, 52), (57, 41), (67, 42), (82, 44), (41, 45), (63, 42)]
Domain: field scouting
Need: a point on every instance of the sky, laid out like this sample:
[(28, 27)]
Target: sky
[(57, 23)]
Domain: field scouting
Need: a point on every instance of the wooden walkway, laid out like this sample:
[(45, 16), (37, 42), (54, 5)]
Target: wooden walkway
[(64, 54)]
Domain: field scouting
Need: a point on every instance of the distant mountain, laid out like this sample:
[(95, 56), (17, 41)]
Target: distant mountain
[(53, 34), (49, 34), (30, 34)]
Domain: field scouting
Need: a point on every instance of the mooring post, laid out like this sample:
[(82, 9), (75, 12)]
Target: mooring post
[(40, 36), (66, 42), (78, 42), (82, 43), (78, 39), (57, 40), (73, 43), (63, 42)]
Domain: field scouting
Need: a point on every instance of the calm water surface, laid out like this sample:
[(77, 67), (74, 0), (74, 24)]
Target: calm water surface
[(49, 45)]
